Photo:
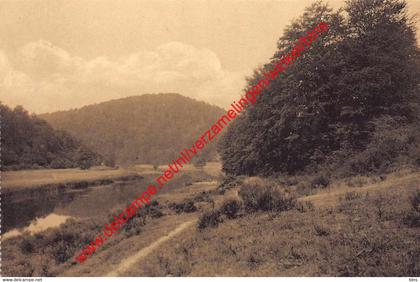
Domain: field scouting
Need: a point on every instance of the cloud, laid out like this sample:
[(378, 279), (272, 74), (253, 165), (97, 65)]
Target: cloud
[(41, 59), (44, 78)]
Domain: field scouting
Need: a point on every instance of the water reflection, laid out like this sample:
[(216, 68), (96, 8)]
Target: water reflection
[(38, 225), (89, 202)]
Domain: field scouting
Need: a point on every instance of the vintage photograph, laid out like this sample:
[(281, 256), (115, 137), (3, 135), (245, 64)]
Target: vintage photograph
[(210, 138)]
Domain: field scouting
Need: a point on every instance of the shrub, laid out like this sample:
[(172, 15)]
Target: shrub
[(230, 208), (321, 230), (320, 181), (412, 219), (305, 206), (209, 219), (130, 177), (350, 196), (60, 163), (200, 163), (85, 165), (63, 250), (304, 188), (382, 204), (204, 196), (227, 183), (80, 185), (26, 245), (290, 181), (155, 212), (187, 206), (415, 201), (135, 225), (263, 197), (153, 209), (356, 181)]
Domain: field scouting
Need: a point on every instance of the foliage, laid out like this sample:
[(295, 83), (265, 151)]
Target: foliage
[(305, 206), (231, 208), (415, 201), (321, 230), (43, 252), (187, 206), (228, 182), (320, 181), (265, 197), (199, 162), (210, 218), (331, 109), (30, 142), (413, 217)]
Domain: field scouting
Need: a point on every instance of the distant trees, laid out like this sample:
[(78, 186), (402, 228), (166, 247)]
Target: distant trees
[(30, 142), (360, 78), (199, 162)]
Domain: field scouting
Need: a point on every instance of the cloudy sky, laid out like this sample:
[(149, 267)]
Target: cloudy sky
[(57, 55)]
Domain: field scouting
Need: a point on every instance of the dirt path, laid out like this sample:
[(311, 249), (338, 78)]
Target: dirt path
[(330, 198), (130, 261)]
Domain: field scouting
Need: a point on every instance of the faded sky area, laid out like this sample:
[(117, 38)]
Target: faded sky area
[(57, 55)]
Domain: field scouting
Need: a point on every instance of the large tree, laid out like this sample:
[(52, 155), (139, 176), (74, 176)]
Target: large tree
[(363, 69)]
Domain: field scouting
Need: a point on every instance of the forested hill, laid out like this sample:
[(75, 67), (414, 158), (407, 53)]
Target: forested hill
[(140, 129), (30, 142)]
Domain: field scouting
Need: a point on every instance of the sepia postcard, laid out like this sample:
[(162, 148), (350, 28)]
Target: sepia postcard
[(274, 139)]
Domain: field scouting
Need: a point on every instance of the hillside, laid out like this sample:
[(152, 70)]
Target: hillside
[(30, 142), (139, 129)]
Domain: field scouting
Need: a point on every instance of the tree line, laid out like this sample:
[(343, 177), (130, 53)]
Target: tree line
[(348, 106), (29, 142)]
